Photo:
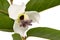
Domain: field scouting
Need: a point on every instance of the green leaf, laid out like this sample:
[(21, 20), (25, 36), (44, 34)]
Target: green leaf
[(40, 5), (44, 32), (6, 24), (4, 6), (16, 37)]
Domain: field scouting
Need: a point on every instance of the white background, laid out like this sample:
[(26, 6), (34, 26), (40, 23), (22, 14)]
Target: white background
[(48, 18)]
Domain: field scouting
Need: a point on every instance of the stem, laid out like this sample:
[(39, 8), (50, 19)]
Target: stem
[(23, 38), (11, 1)]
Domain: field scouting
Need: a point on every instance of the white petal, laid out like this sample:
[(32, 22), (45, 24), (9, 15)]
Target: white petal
[(34, 15), (19, 2), (20, 30), (15, 10)]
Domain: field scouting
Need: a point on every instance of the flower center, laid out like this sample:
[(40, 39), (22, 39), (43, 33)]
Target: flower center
[(22, 17), (24, 23)]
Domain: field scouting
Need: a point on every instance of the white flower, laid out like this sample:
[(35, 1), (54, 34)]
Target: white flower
[(22, 18)]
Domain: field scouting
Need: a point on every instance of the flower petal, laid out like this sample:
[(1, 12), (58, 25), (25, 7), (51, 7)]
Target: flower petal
[(34, 15), (14, 10), (20, 30), (19, 2)]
